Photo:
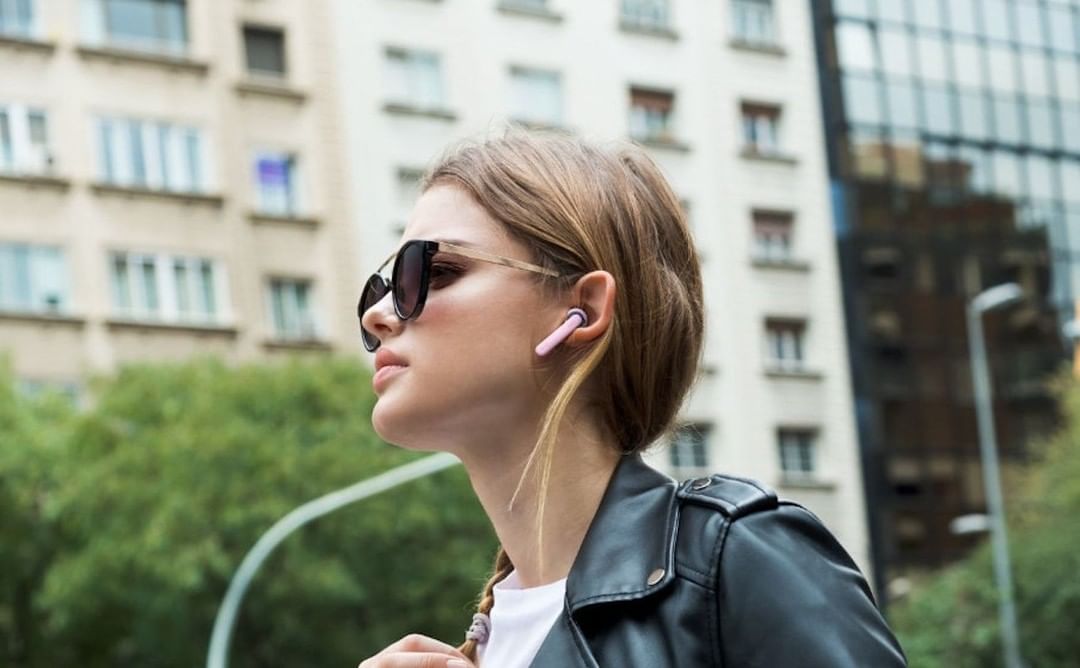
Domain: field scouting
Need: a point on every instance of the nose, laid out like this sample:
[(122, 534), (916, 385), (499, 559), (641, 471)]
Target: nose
[(381, 319)]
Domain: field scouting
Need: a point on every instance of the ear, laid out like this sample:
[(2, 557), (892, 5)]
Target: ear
[(595, 293)]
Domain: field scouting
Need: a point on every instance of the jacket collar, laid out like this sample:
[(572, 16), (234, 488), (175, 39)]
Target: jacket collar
[(630, 538)]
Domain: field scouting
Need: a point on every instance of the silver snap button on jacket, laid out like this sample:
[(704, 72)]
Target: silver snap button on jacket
[(701, 483), (656, 576)]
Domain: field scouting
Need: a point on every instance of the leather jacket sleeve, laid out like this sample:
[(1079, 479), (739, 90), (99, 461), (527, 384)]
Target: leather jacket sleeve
[(789, 595)]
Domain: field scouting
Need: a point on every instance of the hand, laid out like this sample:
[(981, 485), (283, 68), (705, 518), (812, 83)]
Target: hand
[(418, 651)]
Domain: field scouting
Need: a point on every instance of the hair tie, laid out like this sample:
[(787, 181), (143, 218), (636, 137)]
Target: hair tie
[(480, 629)]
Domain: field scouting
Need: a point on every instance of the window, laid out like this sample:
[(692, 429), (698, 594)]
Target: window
[(752, 21), (690, 449), (650, 115), (785, 344), (24, 143), (147, 25), (772, 236), (761, 128), (265, 49), (408, 186), (150, 154), (275, 182), (537, 5), (33, 279), (535, 96), (654, 14), (414, 78), (17, 18), (797, 452), (290, 310), (173, 289)]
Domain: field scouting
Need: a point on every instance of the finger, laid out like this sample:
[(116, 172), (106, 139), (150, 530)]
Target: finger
[(418, 642), (410, 660)]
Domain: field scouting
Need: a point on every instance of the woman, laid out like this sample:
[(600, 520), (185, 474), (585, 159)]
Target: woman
[(544, 322)]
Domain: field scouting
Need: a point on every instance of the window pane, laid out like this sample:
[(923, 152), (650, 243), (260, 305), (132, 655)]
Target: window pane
[(861, 100), (265, 50), (1029, 23), (651, 13), (896, 51), (136, 155), (927, 13), (1007, 120), (996, 18), (535, 96), (1070, 129), (121, 284), (962, 16), (206, 274), (148, 278), (1062, 28), (1067, 75), (1034, 68), (938, 109), (973, 116), (752, 21), (967, 63), (275, 181), (933, 60), (856, 47), (7, 146), (158, 25), (1007, 179), (855, 8), (1040, 123), (901, 105), (1002, 63)]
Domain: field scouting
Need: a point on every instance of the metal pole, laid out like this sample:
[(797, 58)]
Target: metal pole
[(991, 480), (226, 617)]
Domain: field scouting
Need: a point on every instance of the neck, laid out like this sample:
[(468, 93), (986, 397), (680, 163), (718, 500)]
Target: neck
[(581, 467)]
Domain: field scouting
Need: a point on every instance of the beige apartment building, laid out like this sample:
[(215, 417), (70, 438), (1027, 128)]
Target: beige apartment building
[(170, 185), (723, 94)]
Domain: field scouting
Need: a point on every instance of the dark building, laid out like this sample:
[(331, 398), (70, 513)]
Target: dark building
[(954, 136)]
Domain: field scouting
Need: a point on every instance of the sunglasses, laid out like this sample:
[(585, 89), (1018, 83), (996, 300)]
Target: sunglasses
[(411, 275)]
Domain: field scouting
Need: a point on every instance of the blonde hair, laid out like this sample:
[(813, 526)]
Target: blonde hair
[(579, 206)]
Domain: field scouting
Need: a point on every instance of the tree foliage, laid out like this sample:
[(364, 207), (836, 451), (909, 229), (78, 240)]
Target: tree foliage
[(951, 619), (128, 520)]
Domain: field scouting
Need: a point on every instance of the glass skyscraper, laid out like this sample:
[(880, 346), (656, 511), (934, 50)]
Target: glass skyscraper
[(954, 139)]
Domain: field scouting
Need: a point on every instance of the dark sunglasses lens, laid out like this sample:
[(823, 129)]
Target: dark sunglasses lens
[(374, 290), (408, 273)]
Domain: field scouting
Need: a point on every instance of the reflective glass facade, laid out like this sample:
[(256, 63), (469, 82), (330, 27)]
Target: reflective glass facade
[(954, 139)]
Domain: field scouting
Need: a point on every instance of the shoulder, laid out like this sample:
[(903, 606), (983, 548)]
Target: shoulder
[(731, 513), (773, 566)]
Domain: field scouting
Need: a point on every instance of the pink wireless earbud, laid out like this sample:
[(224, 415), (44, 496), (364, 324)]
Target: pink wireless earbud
[(574, 319)]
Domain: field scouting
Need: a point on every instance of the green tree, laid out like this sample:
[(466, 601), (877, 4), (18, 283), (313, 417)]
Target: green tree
[(32, 438), (951, 618), (177, 470)]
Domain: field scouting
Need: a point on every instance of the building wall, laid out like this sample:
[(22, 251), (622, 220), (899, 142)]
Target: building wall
[(953, 127), (73, 71), (598, 59)]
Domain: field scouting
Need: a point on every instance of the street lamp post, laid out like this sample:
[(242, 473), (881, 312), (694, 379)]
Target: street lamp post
[(987, 300), (217, 656)]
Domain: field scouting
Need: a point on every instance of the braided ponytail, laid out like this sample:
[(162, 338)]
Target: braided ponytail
[(503, 566)]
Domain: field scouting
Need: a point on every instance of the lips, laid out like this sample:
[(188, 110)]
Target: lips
[(388, 358)]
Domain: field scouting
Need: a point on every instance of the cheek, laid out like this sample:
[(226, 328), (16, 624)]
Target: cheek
[(472, 364)]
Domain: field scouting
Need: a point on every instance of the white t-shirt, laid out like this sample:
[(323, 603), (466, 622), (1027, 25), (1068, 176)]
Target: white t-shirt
[(520, 620)]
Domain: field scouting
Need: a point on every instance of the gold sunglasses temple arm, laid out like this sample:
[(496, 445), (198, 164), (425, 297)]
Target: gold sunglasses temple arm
[(498, 259)]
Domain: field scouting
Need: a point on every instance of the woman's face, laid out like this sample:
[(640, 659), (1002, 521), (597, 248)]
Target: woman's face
[(469, 356)]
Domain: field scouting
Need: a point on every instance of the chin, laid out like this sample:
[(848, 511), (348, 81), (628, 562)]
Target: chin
[(393, 428)]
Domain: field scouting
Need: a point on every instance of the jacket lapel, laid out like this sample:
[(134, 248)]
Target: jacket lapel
[(631, 537)]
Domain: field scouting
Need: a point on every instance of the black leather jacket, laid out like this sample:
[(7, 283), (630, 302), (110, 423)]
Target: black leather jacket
[(712, 572)]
